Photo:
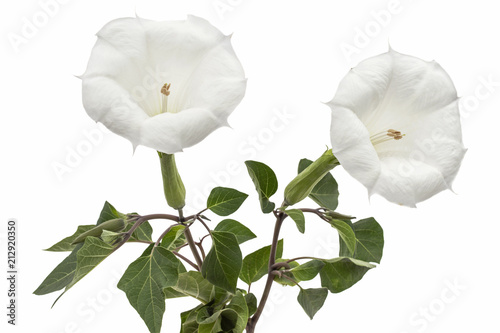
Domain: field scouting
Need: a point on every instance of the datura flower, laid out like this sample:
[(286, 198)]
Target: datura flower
[(164, 85), (396, 127)]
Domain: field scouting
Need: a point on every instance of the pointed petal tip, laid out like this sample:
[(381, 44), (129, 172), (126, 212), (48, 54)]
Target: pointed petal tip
[(134, 147), (224, 123), (329, 103)]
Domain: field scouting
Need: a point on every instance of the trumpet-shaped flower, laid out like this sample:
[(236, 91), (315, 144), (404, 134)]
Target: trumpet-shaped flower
[(165, 85), (396, 127)]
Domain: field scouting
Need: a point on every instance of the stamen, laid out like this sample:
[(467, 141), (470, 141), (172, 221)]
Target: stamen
[(165, 91), (386, 136)]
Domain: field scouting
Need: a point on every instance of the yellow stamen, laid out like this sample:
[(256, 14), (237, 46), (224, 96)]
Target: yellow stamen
[(386, 136)]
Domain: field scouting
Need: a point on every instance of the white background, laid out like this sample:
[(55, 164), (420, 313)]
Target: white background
[(291, 52)]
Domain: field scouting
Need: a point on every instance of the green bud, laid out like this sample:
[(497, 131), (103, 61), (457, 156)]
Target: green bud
[(338, 216), (111, 225), (301, 186), (174, 189)]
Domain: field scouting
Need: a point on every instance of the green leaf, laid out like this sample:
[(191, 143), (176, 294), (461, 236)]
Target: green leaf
[(370, 241), (111, 225), (61, 276), (224, 201), (241, 232), (222, 264), (108, 212), (212, 327), (174, 238), (92, 253), (346, 233), (342, 273), (144, 281), (312, 300), (307, 271), (265, 183), (239, 305), (251, 304), (188, 320), (326, 192), (66, 243), (193, 284), (170, 292), (255, 265), (298, 217), (143, 233)]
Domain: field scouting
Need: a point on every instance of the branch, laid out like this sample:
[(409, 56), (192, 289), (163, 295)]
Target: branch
[(190, 241), (252, 322)]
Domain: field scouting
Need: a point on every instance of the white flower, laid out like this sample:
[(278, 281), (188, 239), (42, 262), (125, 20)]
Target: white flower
[(165, 85), (396, 127)]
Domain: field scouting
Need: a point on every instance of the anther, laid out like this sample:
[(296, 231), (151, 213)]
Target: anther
[(165, 90)]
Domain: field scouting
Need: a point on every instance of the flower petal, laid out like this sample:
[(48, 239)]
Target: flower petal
[(171, 132), (133, 58), (407, 94), (109, 103), (351, 145), (407, 186)]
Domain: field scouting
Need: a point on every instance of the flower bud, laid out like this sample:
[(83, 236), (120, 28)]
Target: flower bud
[(338, 216), (174, 189), (111, 225), (301, 186)]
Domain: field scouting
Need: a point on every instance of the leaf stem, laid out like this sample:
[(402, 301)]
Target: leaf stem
[(281, 275), (164, 234), (190, 241), (205, 225), (192, 217), (186, 260), (314, 211), (299, 258), (201, 250), (252, 322), (140, 220), (156, 217)]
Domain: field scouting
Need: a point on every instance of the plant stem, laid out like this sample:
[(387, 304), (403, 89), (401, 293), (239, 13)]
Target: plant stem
[(252, 322), (191, 243), (186, 260), (157, 216)]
